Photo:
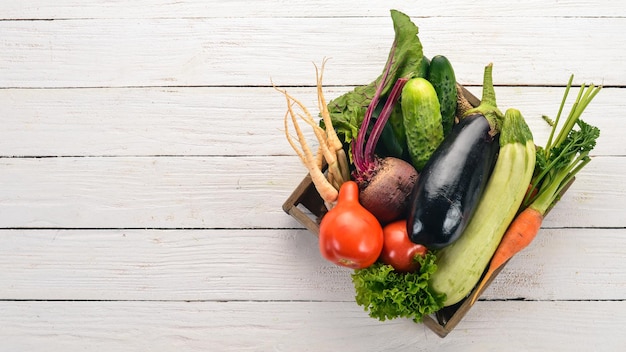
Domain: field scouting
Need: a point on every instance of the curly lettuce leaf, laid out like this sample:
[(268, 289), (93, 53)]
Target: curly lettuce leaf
[(347, 111), (387, 294)]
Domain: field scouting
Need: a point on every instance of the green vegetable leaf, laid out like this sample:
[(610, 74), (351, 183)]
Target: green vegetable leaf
[(565, 153), (347, 111), (387, 294)]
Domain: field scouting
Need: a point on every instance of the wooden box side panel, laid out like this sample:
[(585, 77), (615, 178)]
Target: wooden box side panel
[(306, 196)]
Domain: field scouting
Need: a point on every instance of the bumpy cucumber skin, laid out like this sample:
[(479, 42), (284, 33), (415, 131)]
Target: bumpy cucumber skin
[(398, 147), (422, 120), (441, 76)]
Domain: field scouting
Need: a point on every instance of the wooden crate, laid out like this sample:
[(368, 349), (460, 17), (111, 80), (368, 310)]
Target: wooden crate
[(307, 207)]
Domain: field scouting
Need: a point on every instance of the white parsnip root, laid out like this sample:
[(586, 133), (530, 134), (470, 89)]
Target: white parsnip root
[(330, 147)]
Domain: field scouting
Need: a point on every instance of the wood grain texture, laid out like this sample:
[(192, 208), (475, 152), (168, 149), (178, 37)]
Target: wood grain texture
[(143, 167), (220, 192), (248, 51), (270, 265), (303, 326), (76, 9), (202, 121), (185, 121)]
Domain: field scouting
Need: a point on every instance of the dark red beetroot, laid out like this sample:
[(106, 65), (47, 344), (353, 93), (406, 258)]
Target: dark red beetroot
[(386, 193), (385, 184)]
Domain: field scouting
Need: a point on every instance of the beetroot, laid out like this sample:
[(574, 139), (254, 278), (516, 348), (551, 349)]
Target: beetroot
[(385, 192), (384, 183)]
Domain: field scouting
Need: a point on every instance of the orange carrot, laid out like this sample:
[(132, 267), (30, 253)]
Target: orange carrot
[(518, 236)]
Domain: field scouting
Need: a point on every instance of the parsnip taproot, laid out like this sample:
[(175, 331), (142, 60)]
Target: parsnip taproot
[(330, 147)]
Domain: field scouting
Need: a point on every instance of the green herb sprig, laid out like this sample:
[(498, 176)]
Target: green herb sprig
[(566, 151)]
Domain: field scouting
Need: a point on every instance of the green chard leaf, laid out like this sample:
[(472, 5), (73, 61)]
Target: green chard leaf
[(347, 111)]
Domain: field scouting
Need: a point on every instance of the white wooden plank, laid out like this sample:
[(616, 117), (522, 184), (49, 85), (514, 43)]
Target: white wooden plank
[(277, 265), (152, 163), (147, 121), (220, 120), (167, 265), (594, 198), (246, 51), (202, 192), (303, 326), (214, 192), (553, 267), (219, 192), (64, 9)]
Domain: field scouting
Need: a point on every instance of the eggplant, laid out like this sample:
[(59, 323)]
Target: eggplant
[(449, 187)]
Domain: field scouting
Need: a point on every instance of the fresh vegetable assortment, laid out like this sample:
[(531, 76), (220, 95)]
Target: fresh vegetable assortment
[(428, 196)]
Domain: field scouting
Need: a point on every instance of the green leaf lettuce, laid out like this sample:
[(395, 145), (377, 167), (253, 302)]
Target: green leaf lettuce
[(387, 294)]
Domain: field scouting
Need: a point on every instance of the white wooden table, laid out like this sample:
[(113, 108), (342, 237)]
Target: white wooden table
[(143, 168)]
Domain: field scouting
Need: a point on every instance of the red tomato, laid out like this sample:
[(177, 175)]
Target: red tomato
[(398, 250), (350, 235)]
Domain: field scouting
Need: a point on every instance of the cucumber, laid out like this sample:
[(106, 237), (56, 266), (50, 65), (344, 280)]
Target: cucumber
[(422, 120), (422, 70), (397, 147), (441, 76)]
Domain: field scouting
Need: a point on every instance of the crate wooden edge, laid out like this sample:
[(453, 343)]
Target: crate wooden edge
[(306, 195)]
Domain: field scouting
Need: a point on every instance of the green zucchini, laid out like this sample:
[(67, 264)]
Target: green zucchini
[(422, 120), (441, 76), (461, 264)]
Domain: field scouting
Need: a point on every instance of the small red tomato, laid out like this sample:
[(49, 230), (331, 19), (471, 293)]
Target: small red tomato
[(398, 250)]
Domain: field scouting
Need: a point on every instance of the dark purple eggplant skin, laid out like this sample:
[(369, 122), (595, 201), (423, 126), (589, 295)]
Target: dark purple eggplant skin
[(450, 185)]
